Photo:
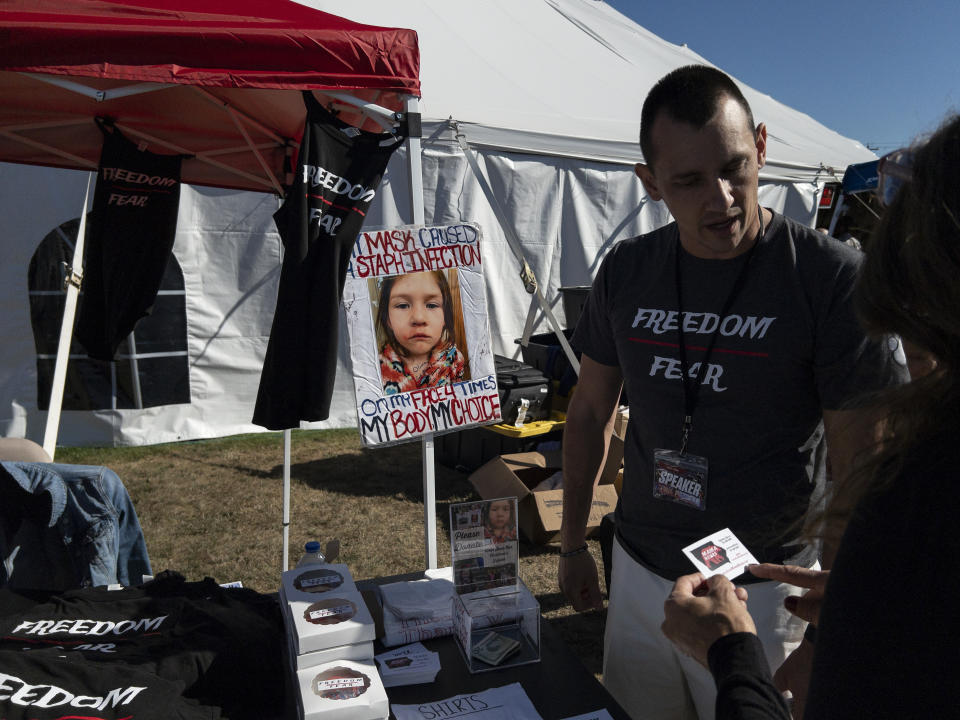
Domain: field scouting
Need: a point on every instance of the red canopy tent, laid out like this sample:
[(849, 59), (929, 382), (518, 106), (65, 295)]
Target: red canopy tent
[(217, 80), (209, 78)]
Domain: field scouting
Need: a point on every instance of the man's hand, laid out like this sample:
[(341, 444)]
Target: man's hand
[(698, 612), (794, 675), (577, 576), (806, 606)]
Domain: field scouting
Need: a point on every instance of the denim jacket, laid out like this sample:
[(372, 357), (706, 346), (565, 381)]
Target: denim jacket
[(65, 526)]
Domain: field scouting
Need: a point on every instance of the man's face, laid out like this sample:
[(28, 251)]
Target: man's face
[(708, 179)]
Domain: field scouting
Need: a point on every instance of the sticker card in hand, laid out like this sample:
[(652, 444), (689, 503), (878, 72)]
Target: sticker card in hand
[(720, 553)]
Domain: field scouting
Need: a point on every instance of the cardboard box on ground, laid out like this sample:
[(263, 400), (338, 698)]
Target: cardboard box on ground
[(541, 512)]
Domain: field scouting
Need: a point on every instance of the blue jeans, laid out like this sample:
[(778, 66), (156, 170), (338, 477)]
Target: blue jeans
[(67, 526)]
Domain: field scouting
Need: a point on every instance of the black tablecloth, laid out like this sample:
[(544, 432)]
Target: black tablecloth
[(559, 685)]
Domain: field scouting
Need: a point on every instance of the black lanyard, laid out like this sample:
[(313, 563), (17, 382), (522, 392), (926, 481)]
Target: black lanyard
[(692, 394)]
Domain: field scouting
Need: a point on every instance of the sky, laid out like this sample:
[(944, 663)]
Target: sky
[(881, 72)]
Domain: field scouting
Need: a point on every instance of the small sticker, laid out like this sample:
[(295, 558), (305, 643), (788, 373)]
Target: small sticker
[(330, 611), (316, 581), (340, 683), (720, 554), (346, 610)]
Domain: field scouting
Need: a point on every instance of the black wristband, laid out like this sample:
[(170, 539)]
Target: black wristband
[(575, 551), (810, 634)]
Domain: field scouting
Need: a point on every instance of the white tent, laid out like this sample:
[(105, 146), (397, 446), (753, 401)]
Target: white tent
[(547, 92)]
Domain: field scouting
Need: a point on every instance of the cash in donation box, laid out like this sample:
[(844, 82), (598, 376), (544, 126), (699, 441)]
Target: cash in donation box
[(496, 619)]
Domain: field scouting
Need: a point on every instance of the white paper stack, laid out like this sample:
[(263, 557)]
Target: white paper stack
[(342, 690), (418, 609), (408, 665)]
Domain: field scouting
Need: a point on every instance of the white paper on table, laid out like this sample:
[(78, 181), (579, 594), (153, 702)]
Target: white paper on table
[(400, 631), (600, 714), (720, 553), (418, 598), (421, 665), (509, 702)]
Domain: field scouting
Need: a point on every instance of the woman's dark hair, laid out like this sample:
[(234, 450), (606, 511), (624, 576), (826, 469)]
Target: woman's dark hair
[(383, 310), (908, 286)]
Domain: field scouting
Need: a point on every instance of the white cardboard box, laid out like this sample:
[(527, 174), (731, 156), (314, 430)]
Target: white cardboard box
[(332, 619), (343, 690), (354, 651)]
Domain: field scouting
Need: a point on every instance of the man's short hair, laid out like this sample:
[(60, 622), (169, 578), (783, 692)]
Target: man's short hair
[(690, 94)]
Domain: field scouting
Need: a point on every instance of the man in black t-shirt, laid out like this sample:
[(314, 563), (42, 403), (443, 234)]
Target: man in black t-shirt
[(733, 333)]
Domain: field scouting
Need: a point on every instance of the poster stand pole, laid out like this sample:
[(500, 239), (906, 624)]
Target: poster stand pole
[(415, 170), (286, 500)]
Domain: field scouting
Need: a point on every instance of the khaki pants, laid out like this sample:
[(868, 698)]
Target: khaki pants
[(645, 672)]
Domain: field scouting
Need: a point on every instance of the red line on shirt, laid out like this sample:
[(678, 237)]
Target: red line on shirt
[(40, 641), (338, 207), (139, 189), (701, 349)]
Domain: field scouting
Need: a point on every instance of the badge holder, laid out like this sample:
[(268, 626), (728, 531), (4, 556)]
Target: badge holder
[(680, 477), (496, 619)]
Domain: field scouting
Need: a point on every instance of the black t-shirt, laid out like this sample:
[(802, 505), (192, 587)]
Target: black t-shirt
[(789, 348), (220, 647), (338, 171), (131, 233), (38, 686)]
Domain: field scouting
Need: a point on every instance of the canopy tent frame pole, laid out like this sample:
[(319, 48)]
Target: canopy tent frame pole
[(286, 500), (71, 283), (134, 372), (94, 93), (269, 185), (240, 120), (11, 134), (837, 212)]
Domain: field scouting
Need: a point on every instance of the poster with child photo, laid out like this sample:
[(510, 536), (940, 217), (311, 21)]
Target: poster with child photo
[(483, 544), (416, 308)]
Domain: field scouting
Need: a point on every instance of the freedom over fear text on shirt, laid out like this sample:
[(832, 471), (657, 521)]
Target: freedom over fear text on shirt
[(658, 322)]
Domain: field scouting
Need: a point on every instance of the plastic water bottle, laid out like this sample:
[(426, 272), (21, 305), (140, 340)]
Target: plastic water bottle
[(312, 555)]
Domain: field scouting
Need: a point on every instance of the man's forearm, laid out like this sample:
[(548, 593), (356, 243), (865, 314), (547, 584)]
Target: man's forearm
[(582, 463)]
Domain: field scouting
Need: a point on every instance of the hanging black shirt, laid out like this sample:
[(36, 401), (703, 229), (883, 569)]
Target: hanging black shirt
[(128, 242), (338, 171)]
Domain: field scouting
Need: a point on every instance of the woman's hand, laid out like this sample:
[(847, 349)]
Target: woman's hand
[(806, 606), (698, 612)]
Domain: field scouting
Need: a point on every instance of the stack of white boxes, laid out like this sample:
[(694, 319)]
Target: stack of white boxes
[(330, 636)]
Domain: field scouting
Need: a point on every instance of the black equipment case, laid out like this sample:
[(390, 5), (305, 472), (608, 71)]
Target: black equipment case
[(523, 388)]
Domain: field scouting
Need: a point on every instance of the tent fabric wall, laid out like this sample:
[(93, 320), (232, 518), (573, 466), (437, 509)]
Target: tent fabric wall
[(547, 91), (568, 212), (568, 77)]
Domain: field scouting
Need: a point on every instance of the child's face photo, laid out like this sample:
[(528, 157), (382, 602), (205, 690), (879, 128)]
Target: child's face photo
[(415, 313), (499, 514)]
